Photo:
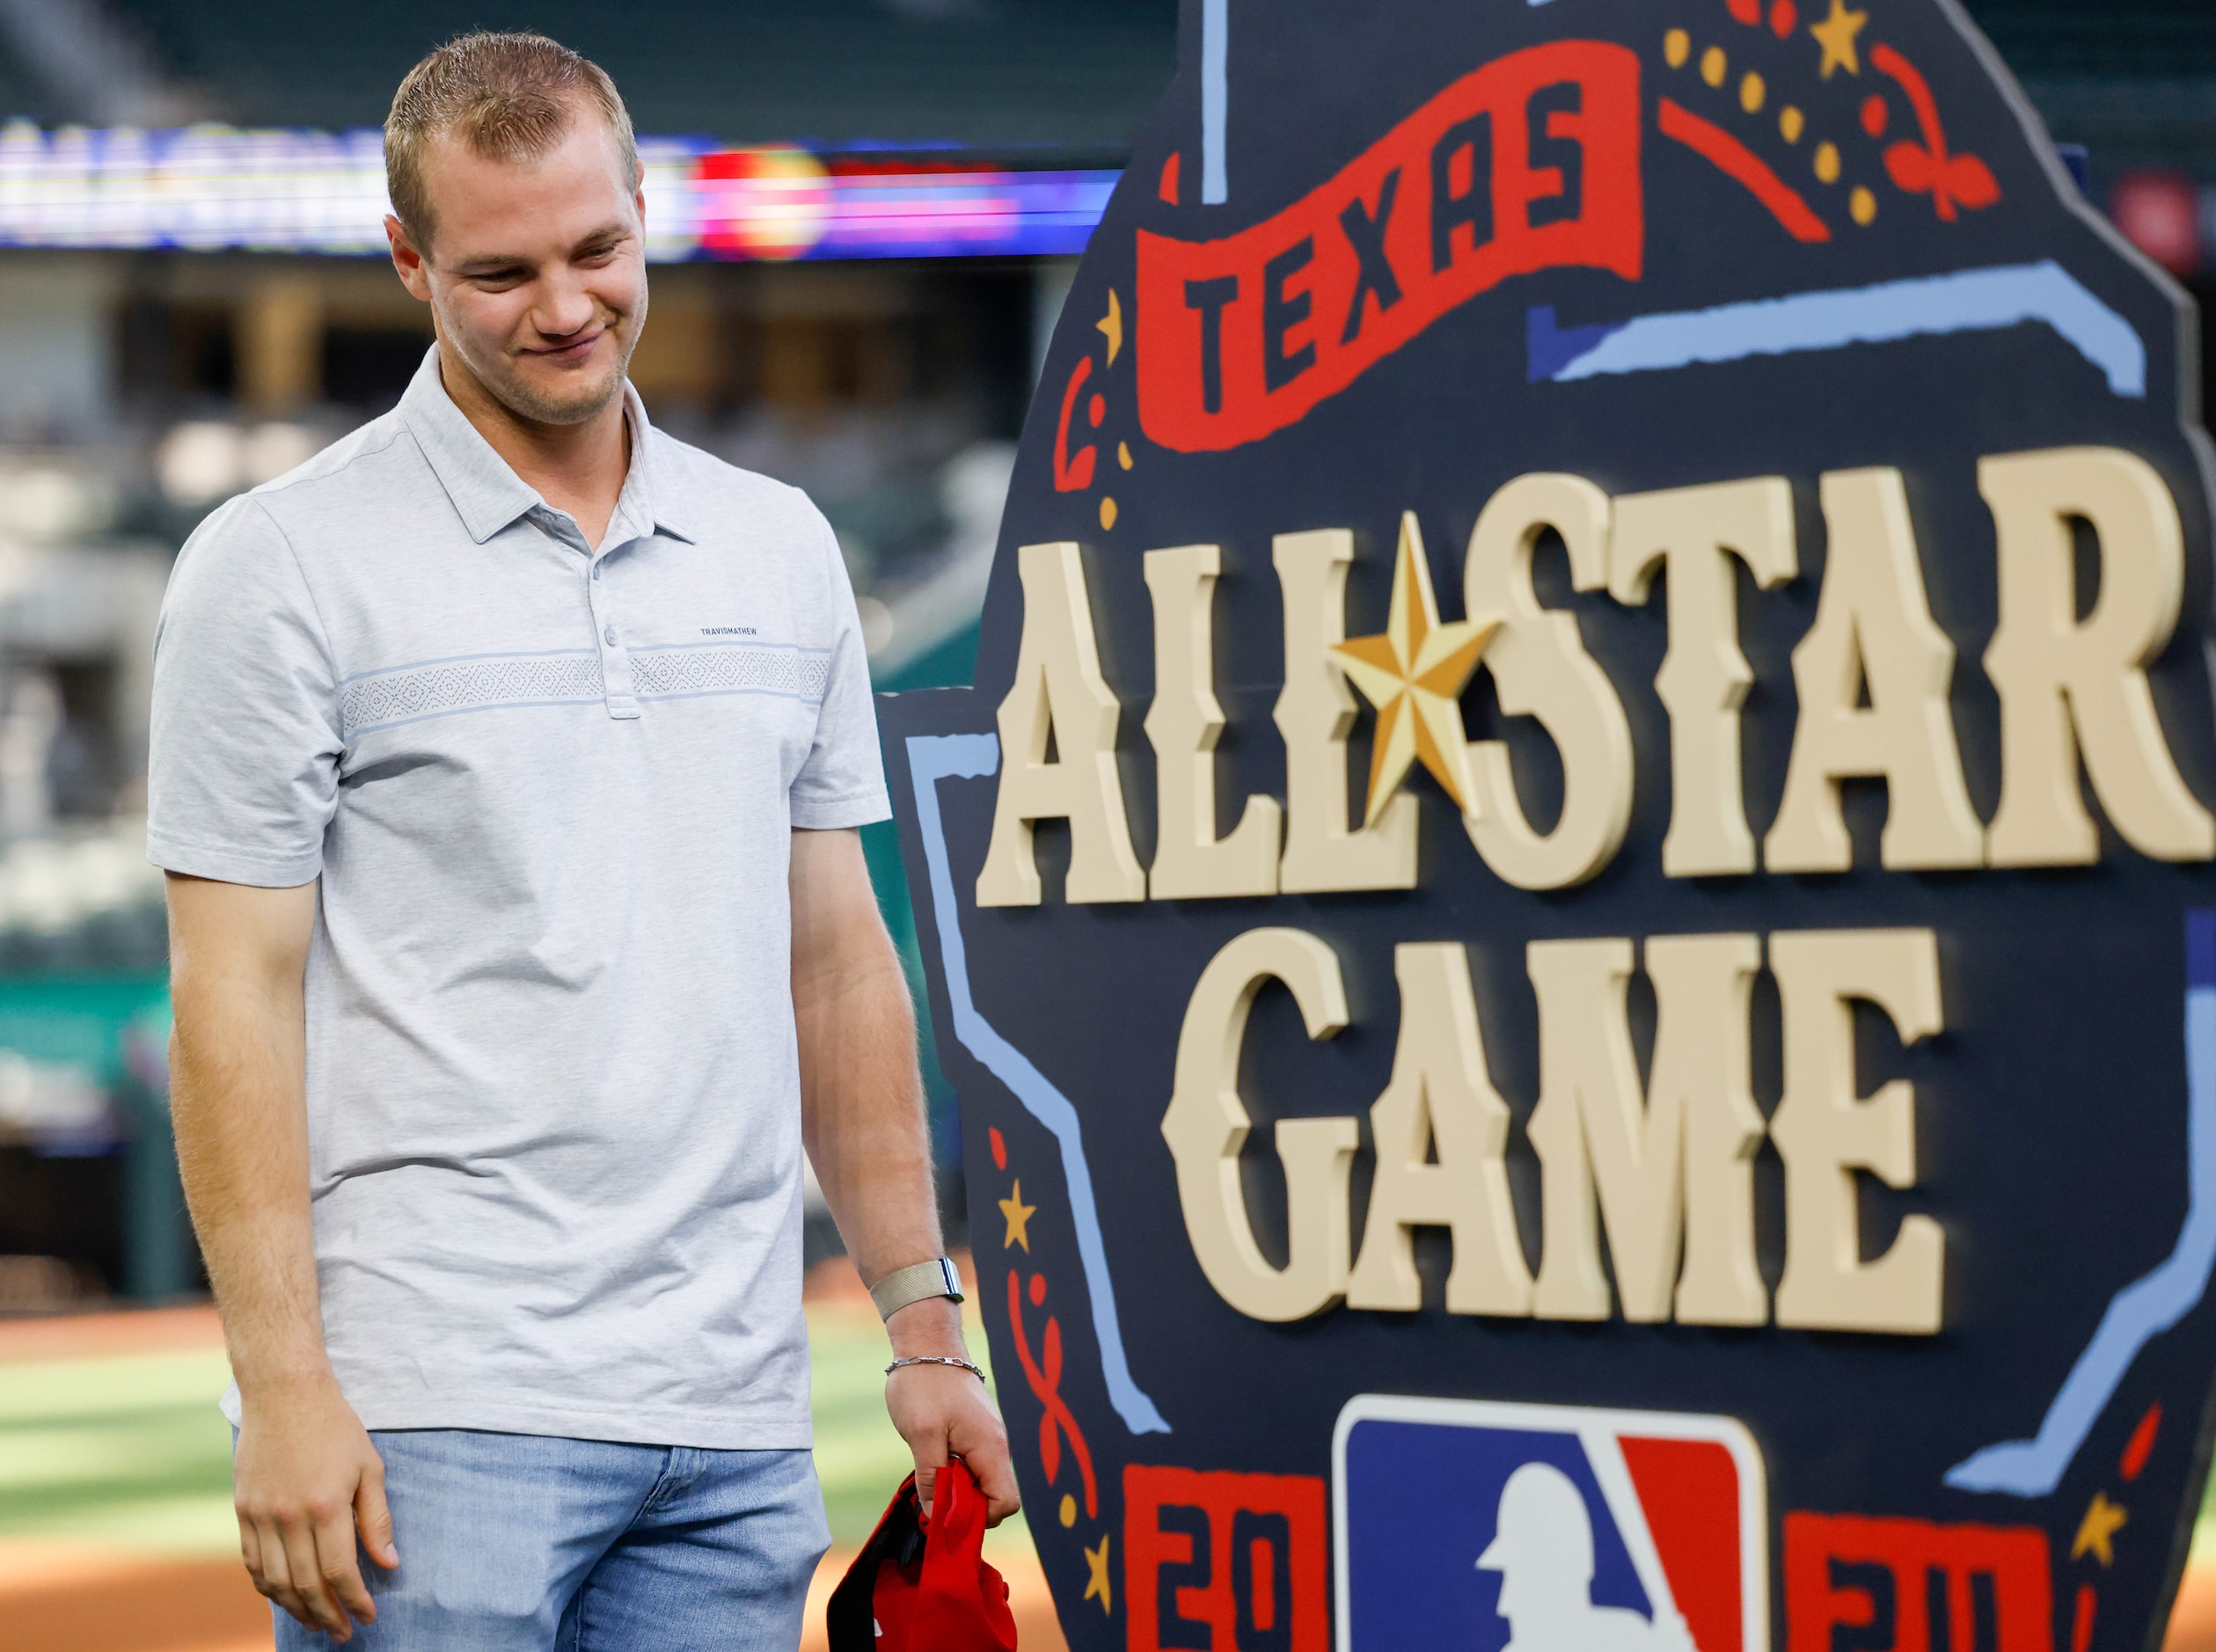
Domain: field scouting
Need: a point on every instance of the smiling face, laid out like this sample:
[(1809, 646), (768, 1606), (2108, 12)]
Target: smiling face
[(535, 272)]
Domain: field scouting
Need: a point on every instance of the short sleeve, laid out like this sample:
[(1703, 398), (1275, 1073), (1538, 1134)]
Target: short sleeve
[(843, 781), (242, 759)]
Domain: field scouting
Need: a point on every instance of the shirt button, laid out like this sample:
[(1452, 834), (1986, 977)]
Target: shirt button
[(596, 570), (611, 635)]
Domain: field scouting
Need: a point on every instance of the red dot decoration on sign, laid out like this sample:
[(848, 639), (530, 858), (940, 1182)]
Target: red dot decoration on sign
[(1955, 181), (2141, 1444), (1096, 410), (1073, 472), (1874, 115), (1043, 1377), (1000, 1146), (1782, 17), (1747, 10), (1167, 190)]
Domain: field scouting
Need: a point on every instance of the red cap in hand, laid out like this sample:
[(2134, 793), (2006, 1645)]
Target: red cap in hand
[(921, 1582)]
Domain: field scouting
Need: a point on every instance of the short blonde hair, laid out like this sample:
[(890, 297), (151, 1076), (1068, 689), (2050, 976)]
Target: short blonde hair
[(508, 96)]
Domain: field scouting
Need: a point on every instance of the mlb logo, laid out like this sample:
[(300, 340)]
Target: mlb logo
[(1472, 1526)]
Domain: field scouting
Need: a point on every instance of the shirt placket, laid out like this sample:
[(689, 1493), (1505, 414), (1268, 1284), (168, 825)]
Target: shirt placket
[(608, 639), (615, 653)]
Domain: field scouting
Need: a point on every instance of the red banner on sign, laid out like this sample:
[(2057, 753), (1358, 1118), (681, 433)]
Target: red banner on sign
[(1914, 1586), (1225, 1560), (1530, 163)]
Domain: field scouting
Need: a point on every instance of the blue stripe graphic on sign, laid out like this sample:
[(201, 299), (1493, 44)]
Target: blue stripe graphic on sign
[(931, 759), (2149, 1306), (1215, 100), (1965, 301)]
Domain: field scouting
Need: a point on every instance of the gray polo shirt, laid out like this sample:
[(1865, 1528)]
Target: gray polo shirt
[(553, 1099)]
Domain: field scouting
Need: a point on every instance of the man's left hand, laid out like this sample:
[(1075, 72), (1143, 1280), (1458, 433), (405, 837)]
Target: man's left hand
[(943, 1411)]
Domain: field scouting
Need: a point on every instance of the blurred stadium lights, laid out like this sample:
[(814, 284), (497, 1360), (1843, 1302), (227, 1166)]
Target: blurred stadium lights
[(217, 188), (212, 188), (2167, 215), (202, 462)]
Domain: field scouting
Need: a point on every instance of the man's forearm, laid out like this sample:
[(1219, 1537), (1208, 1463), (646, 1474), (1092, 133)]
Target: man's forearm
[(861, 1096), (868, 1140), (238, 1065), (862, 1114), (865, 1115)]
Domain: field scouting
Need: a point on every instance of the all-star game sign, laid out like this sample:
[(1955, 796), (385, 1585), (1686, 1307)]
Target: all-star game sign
[(1573, 912)]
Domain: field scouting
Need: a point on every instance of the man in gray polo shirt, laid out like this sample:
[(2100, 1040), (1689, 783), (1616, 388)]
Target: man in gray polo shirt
[(507, 763)]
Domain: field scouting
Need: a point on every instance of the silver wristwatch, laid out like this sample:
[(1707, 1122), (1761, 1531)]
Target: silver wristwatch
[(934, 1278)]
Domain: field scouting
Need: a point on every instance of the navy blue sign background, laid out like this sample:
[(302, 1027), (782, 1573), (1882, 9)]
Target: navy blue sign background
[(2053, 1112)]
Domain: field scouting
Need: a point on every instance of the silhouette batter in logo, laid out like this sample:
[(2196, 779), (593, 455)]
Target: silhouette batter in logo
[(1542, 1547)]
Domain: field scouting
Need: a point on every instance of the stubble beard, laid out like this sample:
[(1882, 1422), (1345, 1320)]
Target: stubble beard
[(529, 402), (533, 403)]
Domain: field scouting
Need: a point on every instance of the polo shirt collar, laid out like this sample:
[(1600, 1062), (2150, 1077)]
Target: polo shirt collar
[(487, 495)]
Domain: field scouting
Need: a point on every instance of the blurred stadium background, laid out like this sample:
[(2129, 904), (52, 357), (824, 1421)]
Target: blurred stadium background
[(864, 214)]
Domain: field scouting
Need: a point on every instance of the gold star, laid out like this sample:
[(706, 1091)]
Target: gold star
[(1836, 35), (2102, 1520), (1018, 1213), (1414, 674), (1110, 327), (1096, 1564)]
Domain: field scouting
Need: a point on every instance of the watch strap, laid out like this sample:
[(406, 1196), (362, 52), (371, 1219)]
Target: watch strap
[(934, 1278)]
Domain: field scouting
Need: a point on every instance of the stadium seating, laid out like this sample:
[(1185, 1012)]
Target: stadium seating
[(990, 73)]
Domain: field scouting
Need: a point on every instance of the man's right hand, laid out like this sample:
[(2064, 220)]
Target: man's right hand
[(306, 1480)]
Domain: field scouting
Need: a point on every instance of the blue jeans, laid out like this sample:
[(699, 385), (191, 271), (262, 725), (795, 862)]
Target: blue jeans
[(521, 1542)]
